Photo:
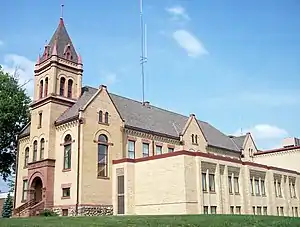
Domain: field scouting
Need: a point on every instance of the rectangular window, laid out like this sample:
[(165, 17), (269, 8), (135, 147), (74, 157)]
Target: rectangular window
[(145, 149), (121, 205), (66, 192), (265, 210), (253, 209), (238, 210), (170, 149), (204, 185), (277, 211), (212, 183), (65, 212), (251, 187), (275, 188), (131, 149), (257, 191), (40, 120), (293, 212), (279, 189), (263, 188), (158, 149), (294, 190), (236, 185), (213, 209), (24, 192), (259, 210), (296, 212), (281, 211), (230, 184), (205, 209), (231, 209)]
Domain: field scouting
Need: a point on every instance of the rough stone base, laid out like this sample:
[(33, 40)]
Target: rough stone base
[(86, 210)]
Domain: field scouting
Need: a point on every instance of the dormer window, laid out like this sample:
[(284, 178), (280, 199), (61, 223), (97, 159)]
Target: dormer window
[(67, 52), (46, 51)]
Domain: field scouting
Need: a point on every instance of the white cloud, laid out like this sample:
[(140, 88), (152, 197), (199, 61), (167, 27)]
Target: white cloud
[(25, 68), (178, 12), (266, 136), (190, 43)]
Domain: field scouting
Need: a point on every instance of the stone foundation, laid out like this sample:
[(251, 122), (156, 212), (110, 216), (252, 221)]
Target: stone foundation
[(85, 210)]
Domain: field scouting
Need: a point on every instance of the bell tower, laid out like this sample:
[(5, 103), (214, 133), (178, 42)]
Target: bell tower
[(57, 87)]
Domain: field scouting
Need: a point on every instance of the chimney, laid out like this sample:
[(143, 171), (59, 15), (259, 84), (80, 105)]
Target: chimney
[(146, 103)]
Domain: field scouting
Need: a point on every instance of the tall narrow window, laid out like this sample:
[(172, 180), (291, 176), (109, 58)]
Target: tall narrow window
[(259, 210), (46, 87), (204, 184), (257, 191), (24, 191), (196, 139), (238, 210), (230, 184), (62, 86), (192, 138), (251, 187), (294, 190), (121, 205), (34, 151), (296, 211), (265, 210), (106, 117), (70, 88), (263, 188), (279, 189), (145, 149), (40, 120), (213, 209), (67, 152), (205, 209), (26, 157), (42, 149), (102, 156), (158, 149), (212, 183), (236, 185), (131, 149), (100, 116), (275, 188), (41, 89)]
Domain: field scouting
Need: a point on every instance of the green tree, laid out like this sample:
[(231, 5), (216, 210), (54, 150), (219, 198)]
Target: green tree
[(7, 207), (14, 114)]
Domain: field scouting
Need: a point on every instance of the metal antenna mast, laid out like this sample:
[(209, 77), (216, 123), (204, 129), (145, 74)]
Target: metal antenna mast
[(143, 58)]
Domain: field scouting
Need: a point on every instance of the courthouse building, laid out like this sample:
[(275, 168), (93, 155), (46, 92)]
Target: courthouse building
[(88, 151)]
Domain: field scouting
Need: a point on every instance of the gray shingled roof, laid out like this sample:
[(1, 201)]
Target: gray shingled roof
[(61, 39), (239, 141), (25, 131), (151, 118)]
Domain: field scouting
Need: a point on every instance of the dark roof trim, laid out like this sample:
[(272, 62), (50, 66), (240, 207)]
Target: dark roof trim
[(205, 155), (277, 150), (151, 132)]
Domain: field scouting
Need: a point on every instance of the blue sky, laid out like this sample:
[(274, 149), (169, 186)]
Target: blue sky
[(233, 63)]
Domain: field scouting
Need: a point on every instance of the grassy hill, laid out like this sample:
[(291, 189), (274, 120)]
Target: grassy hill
[(155, 221)]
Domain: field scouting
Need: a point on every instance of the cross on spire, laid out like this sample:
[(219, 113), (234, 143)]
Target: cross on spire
[(62, 11)]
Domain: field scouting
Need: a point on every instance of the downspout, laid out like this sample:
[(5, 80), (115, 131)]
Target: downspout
[(78, 160), (16, 170)]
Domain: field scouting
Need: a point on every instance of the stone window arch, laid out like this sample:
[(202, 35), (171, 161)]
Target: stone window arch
[(26, 158), (102, 156), (42, 148), (100, 116), (46, 87), (70, 88), (34, 156), (41, 88), (62, 86), (106, 117)]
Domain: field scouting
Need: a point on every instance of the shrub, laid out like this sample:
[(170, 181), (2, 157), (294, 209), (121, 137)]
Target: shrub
[(48, 213)]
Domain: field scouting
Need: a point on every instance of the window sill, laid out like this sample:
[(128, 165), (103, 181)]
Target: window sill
[(204, 191), (39, 127), (103, 123), (23, 201), (212, 192), (25, 167), (230, 193), (103, 178), (65, 197), (237, 193), (196, 144), (66, 170)]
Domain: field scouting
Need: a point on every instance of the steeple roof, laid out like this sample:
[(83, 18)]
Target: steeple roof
[(60, 45)]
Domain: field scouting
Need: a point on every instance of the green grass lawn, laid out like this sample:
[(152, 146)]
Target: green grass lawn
[(143, 221)]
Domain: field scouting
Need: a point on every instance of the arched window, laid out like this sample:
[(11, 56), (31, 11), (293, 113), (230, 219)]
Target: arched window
[(100, 116), (193, 138), (34, 151), (70, 86), (26, 159), (46, 87), (106, 117), (102, 156), (41, 89), (67, 151), (42, 149), (62, 86), (196, 139)]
